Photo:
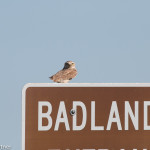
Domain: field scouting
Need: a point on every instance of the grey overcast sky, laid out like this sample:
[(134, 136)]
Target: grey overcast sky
[(108, 39)]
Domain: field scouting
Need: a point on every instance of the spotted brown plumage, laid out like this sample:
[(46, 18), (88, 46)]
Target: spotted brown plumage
[(66, 74)]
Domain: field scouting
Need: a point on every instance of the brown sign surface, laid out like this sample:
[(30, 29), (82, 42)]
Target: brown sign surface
[(86, 116)]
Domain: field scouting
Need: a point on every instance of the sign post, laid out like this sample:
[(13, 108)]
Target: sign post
[(86, 116)]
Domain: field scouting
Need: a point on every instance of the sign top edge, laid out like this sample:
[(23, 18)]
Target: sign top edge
[(85, 85)]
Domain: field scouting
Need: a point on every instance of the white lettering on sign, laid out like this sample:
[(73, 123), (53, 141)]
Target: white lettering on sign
[(134, 118), (64, 119), (84, 113), (114, 111), (146, 126), (114, 117), (46, 115), (93, 126)]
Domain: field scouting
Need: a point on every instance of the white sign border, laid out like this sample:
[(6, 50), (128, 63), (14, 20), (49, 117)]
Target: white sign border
[(68, 85)]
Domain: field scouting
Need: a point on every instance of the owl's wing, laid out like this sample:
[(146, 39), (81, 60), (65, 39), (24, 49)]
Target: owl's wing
[(69, 74), (66, 74)]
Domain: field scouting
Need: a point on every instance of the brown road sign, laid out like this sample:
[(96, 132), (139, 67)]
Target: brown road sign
[(86, 117)]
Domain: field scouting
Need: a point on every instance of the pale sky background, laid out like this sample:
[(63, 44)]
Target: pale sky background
[(108, 39)]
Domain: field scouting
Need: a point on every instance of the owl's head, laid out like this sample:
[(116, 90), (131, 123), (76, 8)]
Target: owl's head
[(69, 64)]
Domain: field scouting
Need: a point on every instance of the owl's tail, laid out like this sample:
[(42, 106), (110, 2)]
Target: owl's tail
[(51, 77)]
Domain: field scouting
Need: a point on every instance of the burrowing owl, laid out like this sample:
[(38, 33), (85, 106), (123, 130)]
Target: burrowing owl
[(66, 74)]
